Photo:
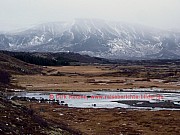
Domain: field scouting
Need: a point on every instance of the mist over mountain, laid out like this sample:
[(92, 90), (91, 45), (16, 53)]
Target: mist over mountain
[(96, 38)]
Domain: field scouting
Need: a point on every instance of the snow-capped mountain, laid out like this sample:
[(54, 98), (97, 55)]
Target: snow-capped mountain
[(96, 38)]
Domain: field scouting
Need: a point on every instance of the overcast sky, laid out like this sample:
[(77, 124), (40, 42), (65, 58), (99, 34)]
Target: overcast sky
[(16, 14)]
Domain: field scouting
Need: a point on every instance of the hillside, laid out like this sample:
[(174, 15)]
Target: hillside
[(55, 59), (15, 66)]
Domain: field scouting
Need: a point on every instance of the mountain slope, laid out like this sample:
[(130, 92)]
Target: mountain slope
[(96, 38)]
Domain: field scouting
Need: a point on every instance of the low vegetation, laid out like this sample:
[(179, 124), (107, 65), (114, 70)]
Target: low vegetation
[(4, 77)]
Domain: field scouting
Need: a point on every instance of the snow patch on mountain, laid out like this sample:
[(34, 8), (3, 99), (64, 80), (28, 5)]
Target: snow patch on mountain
[(96, 38)]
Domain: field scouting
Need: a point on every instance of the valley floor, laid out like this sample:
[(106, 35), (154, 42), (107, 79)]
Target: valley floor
[(95, 121), (88, 78)]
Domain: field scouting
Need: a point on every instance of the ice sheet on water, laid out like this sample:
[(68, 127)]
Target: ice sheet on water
[(170, 96)]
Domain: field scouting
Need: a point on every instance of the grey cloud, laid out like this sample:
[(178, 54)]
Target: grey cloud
[(157, 13)]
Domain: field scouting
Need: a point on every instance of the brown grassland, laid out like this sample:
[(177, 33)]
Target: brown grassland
[(88, 78), (104, 121)]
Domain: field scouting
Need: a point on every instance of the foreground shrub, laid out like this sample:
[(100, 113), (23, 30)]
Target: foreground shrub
[(4, 77)]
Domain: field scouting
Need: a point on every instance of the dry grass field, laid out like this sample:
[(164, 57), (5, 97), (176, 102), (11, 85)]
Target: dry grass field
[(88, 78), (111, 121), (83, 69)]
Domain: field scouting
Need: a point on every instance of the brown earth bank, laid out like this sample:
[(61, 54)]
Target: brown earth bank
[(17, 119), (110, 121)]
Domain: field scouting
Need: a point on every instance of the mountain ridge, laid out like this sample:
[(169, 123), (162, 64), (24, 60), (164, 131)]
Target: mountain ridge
[(97, 38)]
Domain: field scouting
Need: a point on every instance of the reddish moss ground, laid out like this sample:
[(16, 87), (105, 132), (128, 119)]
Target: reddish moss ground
[(16, 119), (111, 121)]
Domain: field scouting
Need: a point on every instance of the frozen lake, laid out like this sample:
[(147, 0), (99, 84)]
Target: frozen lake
[(130, 99)]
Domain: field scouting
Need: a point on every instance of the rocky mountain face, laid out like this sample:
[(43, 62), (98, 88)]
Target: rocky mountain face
[(96, 38)]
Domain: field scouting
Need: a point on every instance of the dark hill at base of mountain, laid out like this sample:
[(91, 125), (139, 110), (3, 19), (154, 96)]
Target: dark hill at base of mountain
[(15, 66), (55, 59)]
